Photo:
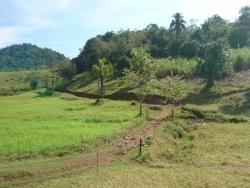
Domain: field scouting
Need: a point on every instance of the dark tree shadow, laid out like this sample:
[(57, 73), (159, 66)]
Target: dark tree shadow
[(207, 97), (47, 93)]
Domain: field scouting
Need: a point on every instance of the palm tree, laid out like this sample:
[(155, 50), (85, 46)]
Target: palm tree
[(102, 69), (178, 23)]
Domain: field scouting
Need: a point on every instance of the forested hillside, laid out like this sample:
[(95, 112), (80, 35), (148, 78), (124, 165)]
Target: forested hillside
[(27, 57), (180, 39)]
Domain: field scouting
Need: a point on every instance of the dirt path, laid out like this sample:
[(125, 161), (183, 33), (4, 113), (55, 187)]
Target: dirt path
[(106, 155)]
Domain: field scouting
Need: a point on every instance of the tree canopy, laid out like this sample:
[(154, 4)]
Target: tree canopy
[(179, 40), (178, 23), (27, 57), (102, 69)]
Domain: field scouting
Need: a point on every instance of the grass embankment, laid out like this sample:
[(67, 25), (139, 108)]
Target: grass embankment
[(228, 99), (39, 124), (186, 69)]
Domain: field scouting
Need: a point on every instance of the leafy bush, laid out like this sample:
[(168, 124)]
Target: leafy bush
[(240, 59), (173, 67), (226, 70)]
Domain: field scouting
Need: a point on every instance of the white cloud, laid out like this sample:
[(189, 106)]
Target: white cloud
[(65, 4), (43, 7), (129, 14), (33, 16), (204, 9), (110, 14), (8, 35), (37, 23), (14, 34)]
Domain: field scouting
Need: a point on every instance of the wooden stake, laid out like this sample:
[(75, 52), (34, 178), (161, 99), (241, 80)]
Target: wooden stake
[(81, 142), (97, 163), (18, 150), (140, 148)]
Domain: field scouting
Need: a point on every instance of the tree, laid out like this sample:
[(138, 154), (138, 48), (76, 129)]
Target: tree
[(240, 33), (158, 39), (238, 36), (33, 79), (140, 72), (94, 49), (216, 56), (174, 87), (66, 70), (102, 69), (245, 16), (178, 23), (50, 78), (214, 28)]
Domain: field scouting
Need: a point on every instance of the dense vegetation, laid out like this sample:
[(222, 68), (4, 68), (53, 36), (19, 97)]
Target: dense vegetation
[(27, 57), (179, 43)]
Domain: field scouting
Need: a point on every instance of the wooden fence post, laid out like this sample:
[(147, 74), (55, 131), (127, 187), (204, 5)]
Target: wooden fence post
[(18, 150), (97, 163), (81, 141), (140, 148)]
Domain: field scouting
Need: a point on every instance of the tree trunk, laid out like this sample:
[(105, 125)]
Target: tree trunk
[(102, 85), (210, 81), (140, 108), (53, 80), (141, 98), (46, 82)]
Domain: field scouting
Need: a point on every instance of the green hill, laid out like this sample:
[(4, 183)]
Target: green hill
[(28, 57)]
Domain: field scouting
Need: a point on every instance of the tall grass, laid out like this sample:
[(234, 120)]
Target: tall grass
[(178, 66), (240, 59), (47, 124)]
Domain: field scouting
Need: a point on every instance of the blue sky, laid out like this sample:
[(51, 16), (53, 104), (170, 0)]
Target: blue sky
[(65, 25)]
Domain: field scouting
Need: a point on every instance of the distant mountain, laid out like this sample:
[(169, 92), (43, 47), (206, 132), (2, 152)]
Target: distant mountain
[(27, 57)]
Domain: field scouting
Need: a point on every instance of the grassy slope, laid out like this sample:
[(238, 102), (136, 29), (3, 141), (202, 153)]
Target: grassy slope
[(230, 97), (44, 124), (85, 83), (11, 82)]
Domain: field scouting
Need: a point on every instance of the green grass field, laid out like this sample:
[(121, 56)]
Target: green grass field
[(42, 124), (191, 152), (209, 155)]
